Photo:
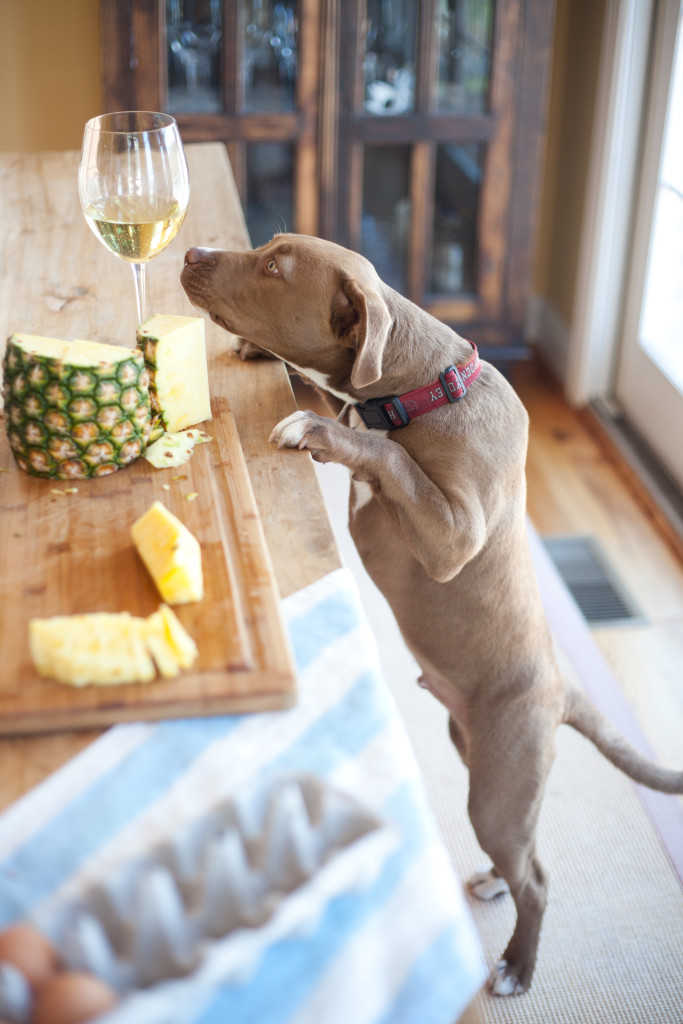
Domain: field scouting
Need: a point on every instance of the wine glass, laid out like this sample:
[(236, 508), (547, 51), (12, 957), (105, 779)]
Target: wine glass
[(134, 186)]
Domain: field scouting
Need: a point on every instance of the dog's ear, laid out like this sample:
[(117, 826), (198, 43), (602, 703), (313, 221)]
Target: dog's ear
[(361, 321)]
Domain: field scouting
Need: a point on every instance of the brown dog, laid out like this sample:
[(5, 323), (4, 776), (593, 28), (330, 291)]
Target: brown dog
[(437, 512)]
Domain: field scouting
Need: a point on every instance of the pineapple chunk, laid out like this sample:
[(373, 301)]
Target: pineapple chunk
[(171, 553), (102, 648), (184, 647), (171, 645), (160, 646), (107, 649), (175, 354)]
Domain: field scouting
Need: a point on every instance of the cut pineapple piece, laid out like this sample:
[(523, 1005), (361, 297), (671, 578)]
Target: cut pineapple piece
[(184, 647), (175, 354), (160, 646), (106, 649), (102, 648), (171, 553)]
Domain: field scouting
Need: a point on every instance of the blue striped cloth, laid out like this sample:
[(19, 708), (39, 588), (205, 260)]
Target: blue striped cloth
[(403, 951)]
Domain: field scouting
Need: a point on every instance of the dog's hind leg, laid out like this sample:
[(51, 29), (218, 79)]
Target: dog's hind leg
[(507, 778), (457, 738)]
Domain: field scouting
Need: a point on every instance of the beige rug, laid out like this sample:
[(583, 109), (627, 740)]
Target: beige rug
[(612, 944)]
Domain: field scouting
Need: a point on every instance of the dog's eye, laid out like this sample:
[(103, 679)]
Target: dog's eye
[(271, 267)]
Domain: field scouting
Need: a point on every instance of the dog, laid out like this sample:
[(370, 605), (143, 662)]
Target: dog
[(435, 439)]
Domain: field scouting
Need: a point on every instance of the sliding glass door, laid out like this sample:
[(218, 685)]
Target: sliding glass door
[(649, 384)]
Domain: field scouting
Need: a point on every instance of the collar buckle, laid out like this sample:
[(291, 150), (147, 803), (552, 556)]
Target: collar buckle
[(448, 386), (375, 414)]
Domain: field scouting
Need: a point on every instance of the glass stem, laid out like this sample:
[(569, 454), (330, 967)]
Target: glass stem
[(140, 296)]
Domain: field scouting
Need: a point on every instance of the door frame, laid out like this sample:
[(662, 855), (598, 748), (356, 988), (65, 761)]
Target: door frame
[(607, 220), (650, 401)]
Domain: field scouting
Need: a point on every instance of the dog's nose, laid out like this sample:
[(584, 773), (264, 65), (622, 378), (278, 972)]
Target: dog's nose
[(194, 255)]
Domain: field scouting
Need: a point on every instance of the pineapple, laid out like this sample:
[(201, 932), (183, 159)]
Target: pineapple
[(74, 409), (171, 553), (171, 645), (110, 648), (175, 354), (102, 648)]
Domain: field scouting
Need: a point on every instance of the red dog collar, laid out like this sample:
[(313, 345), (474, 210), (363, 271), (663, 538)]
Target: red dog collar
[(398, 410)]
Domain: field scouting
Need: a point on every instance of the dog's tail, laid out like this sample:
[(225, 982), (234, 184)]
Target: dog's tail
[(583, 716)]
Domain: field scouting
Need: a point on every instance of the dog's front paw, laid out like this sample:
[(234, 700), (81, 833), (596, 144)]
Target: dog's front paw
[(304, 429), (248, 350), (503, 981)]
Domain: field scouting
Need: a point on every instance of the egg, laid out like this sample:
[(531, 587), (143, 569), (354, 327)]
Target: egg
[(28, 950), (71, 997)]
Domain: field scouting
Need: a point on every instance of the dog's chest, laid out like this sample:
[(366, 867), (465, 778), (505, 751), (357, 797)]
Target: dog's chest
[(321, 380)]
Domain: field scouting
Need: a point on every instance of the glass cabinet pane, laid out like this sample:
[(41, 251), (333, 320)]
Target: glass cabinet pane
[(389, 58), (385, 227), (270, 190), (270, 55), (459, 172), (193, 32), (464, 35)]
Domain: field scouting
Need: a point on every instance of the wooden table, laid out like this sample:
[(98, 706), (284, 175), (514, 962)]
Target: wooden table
[(57, 281)]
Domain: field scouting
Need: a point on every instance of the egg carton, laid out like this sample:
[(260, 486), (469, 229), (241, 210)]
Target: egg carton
[(199, 910)]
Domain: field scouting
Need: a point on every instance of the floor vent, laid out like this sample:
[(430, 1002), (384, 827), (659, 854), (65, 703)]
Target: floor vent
[(593, 584)]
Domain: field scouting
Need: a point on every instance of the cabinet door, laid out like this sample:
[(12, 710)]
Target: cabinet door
[(411, 130), (440, 121), (244, 72)]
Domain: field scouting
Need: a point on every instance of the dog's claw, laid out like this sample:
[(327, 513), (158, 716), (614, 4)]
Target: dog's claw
[(502, 982), (293, 430)]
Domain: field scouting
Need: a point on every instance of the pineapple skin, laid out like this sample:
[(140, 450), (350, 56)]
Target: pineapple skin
[(171, 553), (174, 349), (74, 409)]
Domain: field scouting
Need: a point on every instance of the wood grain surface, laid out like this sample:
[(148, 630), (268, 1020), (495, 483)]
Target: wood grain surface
[(57, 280), (67, 554)]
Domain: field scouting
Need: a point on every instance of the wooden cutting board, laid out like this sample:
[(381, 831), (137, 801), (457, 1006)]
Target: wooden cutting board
[(63, 554)]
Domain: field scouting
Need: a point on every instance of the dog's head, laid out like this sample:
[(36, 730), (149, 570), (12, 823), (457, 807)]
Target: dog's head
[(314, 304)]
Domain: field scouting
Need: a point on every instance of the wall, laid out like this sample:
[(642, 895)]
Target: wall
[(50, 72), (578, 40)]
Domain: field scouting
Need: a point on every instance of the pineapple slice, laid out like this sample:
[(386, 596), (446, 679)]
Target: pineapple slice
[(102, 648), (175, 354), (171, 553), (107, 649), (171, 645), (160, 646)]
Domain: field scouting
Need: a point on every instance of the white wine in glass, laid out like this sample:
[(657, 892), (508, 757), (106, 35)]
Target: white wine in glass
[(134, 186)]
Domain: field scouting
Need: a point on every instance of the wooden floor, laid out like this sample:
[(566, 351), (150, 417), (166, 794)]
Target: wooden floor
[(576, 486)]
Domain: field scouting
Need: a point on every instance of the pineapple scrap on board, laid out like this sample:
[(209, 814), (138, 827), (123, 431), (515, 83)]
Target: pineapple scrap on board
[(109, 648), (174, 449), (171, 553)]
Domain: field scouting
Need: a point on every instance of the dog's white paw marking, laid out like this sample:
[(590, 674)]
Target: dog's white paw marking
[(290, 432), (502, 983), (486, 884)]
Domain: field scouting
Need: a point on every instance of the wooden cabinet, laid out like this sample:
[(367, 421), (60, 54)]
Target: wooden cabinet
[(410, 130)]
